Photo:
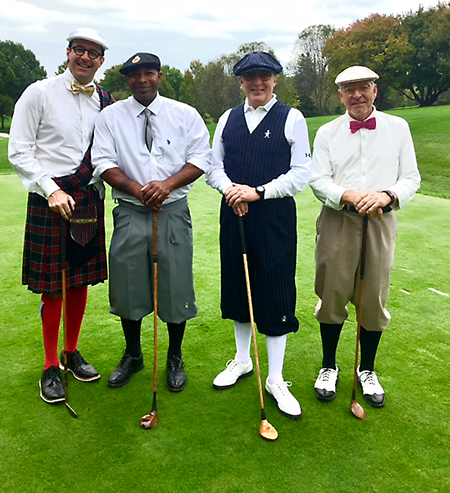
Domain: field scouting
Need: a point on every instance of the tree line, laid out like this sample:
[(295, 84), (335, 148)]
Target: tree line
[(410, 52)]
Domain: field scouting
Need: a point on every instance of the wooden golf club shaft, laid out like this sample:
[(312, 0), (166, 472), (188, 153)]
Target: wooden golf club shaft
[(64, 306), (149, 421), (250, 308), (362, 269), (155, 305)]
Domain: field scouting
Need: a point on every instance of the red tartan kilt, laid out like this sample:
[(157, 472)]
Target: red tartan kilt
[(42, 265)]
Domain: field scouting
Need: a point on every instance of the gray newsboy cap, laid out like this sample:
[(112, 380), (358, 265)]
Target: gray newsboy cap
[(139, 60), (355, 74), (88, 34), (258, 60)]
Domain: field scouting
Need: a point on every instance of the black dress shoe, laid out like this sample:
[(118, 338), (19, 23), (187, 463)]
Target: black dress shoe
[(79, 367), (176, 376), (127, 367), (51, 386)]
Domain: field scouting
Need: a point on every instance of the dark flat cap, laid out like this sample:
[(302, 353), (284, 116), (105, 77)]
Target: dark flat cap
[(258, 60), (139, 60)]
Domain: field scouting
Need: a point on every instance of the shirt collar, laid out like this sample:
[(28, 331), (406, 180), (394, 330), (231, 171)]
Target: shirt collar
[(265, 108), (154, 106), (372, 115), (69, 78)]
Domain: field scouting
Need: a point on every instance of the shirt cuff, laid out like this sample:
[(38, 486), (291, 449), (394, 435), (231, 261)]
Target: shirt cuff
[(48, 187)]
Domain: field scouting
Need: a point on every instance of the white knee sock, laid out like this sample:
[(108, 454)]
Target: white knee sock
[(243, 334), (276, 346)]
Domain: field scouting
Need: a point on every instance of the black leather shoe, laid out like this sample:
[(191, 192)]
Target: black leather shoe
[(127, 367), (176, 376), (51, 386), (79, 367)]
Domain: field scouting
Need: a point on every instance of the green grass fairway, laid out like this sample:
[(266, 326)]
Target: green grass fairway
[(208, 441)]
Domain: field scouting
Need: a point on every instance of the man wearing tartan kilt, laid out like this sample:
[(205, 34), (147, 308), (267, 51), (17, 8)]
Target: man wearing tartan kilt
[(51, 134)]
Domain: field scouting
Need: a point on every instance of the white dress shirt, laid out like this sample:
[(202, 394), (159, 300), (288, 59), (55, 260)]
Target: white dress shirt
[(179, 137), (296, 134), (379, 159), (50, 132)]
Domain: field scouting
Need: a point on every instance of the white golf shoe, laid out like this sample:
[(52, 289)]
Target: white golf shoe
[(373, 392), (234, 371), (325, 386), (287, 404)]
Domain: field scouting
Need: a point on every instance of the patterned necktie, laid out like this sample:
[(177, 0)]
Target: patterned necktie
[(148, 133), (370, 124), (77, 88)]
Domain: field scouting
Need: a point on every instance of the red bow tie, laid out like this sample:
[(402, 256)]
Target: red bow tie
[(371, 124)]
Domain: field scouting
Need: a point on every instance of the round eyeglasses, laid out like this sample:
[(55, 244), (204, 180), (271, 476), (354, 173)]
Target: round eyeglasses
[(251, 76), (79, 51)]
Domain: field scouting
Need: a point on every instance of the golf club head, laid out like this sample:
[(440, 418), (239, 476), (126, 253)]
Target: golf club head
[(149, 421), (71, 410), (357, 410), (267, 431)]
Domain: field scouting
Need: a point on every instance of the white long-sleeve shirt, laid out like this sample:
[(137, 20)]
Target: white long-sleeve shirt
[(379, 159), (296, 133), (179, 137), (50, 132)]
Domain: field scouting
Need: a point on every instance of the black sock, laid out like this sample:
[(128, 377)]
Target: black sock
[(330, 334), (132, 333), (176, 333), (369, 345)]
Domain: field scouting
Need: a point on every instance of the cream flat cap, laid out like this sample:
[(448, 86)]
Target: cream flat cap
[(88, 34), (355, 74)]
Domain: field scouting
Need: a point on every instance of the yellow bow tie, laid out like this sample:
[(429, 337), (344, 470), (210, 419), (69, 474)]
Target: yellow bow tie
[(77, 88)]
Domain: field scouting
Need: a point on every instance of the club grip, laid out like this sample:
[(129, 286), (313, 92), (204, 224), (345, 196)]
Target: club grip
[(242, 234), (362, 268)]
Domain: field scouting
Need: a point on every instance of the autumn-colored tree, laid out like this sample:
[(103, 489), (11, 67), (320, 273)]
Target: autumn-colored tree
[(377, 42)]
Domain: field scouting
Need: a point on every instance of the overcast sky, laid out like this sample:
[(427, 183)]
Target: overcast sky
[(179, 31)]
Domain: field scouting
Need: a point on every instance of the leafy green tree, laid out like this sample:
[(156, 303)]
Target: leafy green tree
[(285, 90), (174, 78), (310, 70), (6, 107), (187, 88), (428, 73), (61, 68), (18, 69), (115, 82)]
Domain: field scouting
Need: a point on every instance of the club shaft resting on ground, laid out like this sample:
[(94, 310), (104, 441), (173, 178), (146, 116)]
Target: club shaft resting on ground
[(356, 408), (266, 430), (149, 421), (64, 306)]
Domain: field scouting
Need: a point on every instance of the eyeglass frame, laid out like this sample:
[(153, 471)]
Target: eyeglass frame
[(89, 52), (251, 76), (363, 88)]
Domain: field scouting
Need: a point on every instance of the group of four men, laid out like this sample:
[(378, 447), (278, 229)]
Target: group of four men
[(150, 149)]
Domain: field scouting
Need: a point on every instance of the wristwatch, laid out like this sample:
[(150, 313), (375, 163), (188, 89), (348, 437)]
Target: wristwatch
[(390, 195), (261, 191)]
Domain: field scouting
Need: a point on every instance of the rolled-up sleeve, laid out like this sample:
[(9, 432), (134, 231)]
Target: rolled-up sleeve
[(22, 143), (104, 150), (199, 150)]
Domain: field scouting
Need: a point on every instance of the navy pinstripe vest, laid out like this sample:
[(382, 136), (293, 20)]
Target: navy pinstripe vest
[(259, 157)]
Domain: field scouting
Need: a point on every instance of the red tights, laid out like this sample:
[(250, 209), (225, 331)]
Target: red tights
[(51, 319)]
